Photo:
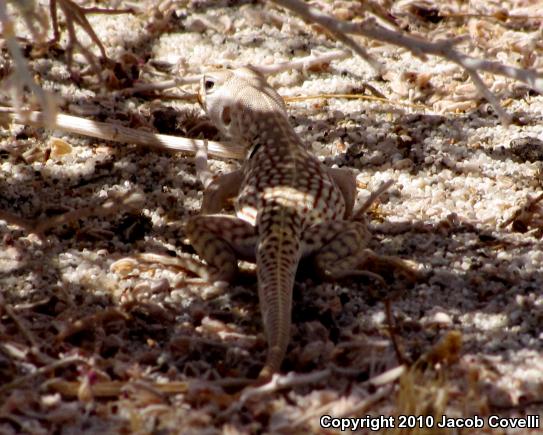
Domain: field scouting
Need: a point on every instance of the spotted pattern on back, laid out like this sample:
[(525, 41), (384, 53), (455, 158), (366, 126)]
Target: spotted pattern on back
[(285, 191)]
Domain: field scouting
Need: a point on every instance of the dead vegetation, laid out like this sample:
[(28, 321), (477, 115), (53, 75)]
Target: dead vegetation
[(92, 341)]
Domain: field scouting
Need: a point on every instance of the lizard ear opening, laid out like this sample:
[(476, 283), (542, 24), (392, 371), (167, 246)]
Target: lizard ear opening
[(226, 116)]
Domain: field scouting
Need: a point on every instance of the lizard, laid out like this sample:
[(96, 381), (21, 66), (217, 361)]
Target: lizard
[(288, 204)]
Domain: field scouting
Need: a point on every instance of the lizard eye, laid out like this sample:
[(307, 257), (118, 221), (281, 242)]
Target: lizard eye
[(209, 84)]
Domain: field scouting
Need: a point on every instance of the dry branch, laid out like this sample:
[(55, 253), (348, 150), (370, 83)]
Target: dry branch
[(32, 14), (125, 201), (303, 63), (359, 409), (76, 14), (22, 76), (421, 47), (359, 214), (113, 388), (330, 24), (277, 382), (128, 200), (106, 131), (117, 133), (74, 359)]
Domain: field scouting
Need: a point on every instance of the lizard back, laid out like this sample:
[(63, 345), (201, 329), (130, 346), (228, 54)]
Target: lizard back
[(285, 190)]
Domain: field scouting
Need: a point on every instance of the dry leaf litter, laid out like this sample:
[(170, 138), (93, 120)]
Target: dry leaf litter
[(95, 339)]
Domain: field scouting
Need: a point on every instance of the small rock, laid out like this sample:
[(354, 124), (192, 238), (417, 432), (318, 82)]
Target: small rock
[(527, 149), (59, 147)]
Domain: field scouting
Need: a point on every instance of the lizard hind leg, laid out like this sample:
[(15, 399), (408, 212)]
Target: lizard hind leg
[(339, 251), (221, 240), (338, 248)]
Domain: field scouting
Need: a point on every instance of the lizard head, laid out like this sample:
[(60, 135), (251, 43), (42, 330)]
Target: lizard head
[(239, 101)]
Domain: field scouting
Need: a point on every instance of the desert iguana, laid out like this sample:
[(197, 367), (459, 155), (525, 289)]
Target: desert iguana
[(288, 204)]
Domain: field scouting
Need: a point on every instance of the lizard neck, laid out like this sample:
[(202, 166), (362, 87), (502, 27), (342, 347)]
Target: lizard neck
[(274, 137)]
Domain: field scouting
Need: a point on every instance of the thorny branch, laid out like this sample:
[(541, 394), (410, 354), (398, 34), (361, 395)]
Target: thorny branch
[(420, 47)]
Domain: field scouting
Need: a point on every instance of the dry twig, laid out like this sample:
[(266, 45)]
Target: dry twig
[(420, 47), (277, 382), (303, 63), (77, 14), (91, 321), (21, 77), (357, 97), (75, 359), (13, 219), (129, 200), (117, 133), (522, 215), (402, 359), (371, 199), (361, 408)]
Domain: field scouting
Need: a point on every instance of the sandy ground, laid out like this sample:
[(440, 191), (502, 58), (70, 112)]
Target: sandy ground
[(144, 350)]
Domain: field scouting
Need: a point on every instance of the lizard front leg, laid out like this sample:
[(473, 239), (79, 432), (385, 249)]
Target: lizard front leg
[(227, 186), (221, 240), (221, 189)]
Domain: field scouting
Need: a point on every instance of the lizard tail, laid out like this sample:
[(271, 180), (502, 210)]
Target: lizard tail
[(278, 255)]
